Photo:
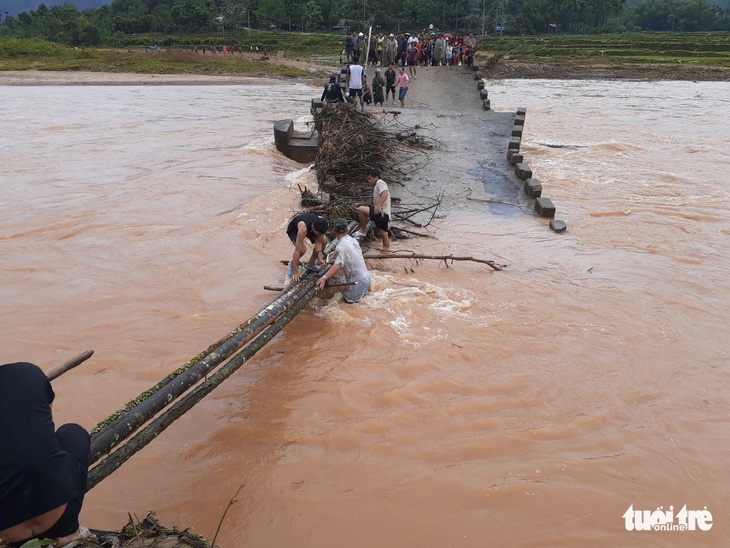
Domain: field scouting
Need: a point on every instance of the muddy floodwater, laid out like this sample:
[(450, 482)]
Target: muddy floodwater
[(453, 406)]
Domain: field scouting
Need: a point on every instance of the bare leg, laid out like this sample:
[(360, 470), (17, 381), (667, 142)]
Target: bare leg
[(363, 215), (386, 239)]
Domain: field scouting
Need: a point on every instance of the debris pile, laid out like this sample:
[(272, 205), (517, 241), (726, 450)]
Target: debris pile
[(351, 143), (147, 533)]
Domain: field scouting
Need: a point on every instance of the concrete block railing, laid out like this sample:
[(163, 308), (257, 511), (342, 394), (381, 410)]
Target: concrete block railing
[(532, 187), (483, 93)]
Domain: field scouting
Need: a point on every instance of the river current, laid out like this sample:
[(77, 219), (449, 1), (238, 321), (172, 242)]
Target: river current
[(453, 406)]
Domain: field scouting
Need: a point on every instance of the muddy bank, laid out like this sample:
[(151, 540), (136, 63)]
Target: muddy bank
[(506, 68), (81, 78), (573, 70)]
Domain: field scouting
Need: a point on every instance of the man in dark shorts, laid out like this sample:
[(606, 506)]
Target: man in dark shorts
[(306, 226), (390, 77), (379, 212), (42, 473), (355, 84)]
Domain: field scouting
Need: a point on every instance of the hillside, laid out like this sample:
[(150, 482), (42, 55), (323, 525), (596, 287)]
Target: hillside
[(14, 7)]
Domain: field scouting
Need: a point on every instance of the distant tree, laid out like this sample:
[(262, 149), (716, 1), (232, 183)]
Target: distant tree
[(273, 11), (311, 15), (193, 15), (162, 19), (89, 34), (127, 15)]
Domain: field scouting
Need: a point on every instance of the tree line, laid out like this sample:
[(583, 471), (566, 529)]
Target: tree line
[(115, 23)]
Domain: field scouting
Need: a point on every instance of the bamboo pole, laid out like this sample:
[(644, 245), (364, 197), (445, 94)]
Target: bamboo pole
[(116, 416), (178, 409), (151, 402), (277, 288)]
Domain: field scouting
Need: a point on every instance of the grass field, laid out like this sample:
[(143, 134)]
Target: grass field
[(708, 49), (671, 52)]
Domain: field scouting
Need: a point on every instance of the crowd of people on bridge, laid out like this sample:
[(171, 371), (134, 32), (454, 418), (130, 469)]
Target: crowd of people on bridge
[(411, 50), (400, 55)]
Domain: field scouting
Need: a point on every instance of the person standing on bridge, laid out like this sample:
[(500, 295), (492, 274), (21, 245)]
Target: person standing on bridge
[(403, 80), (348, 257), (355, 85), (42, 472), (390, 78), (306, 226), (378, 85)]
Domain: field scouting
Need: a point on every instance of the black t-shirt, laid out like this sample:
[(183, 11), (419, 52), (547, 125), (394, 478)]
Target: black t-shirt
[(389, 77), (332, 92), (308, 219), (36, 475)]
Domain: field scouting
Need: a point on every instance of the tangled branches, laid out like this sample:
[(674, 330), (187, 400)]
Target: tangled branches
[(351, 143)]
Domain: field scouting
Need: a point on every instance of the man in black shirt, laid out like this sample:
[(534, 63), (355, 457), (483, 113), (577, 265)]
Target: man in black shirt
[(332, 92), (306, 226), (390, 77), (42, 473)]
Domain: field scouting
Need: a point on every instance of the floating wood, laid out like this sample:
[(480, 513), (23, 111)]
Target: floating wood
[(443, 258), (69, 365)]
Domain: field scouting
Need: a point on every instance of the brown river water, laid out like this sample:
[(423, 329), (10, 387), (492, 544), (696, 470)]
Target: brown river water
[(452, 407)]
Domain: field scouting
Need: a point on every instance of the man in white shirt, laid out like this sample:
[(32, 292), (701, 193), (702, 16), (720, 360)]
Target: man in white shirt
[(379, 212), (355, 84), (348, 257)]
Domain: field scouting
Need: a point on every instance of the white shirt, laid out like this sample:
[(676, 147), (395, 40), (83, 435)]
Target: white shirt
[(380, 186), (355, 77), (349, 257)]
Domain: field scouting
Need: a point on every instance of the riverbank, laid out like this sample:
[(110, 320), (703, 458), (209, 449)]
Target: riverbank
[(79, 78), (574, 70), (506, 68)]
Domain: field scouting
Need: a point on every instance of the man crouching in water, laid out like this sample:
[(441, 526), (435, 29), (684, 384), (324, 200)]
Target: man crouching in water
[(42, 473), (313, 228), (348, 258), (333, 92)]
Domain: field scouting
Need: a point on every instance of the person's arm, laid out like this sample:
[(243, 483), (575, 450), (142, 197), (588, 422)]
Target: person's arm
[(320, 243), (324, 93), (299, 249), (331, 271)]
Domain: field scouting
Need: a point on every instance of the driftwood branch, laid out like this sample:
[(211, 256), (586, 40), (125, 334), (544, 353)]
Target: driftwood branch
[(69, 365), (490, 201), (402, 232), (444, 258), (220, 523)]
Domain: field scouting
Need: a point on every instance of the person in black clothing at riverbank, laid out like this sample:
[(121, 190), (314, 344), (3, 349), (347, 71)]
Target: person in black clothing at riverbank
[(42, 472), (390, 77), (333, 92)]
